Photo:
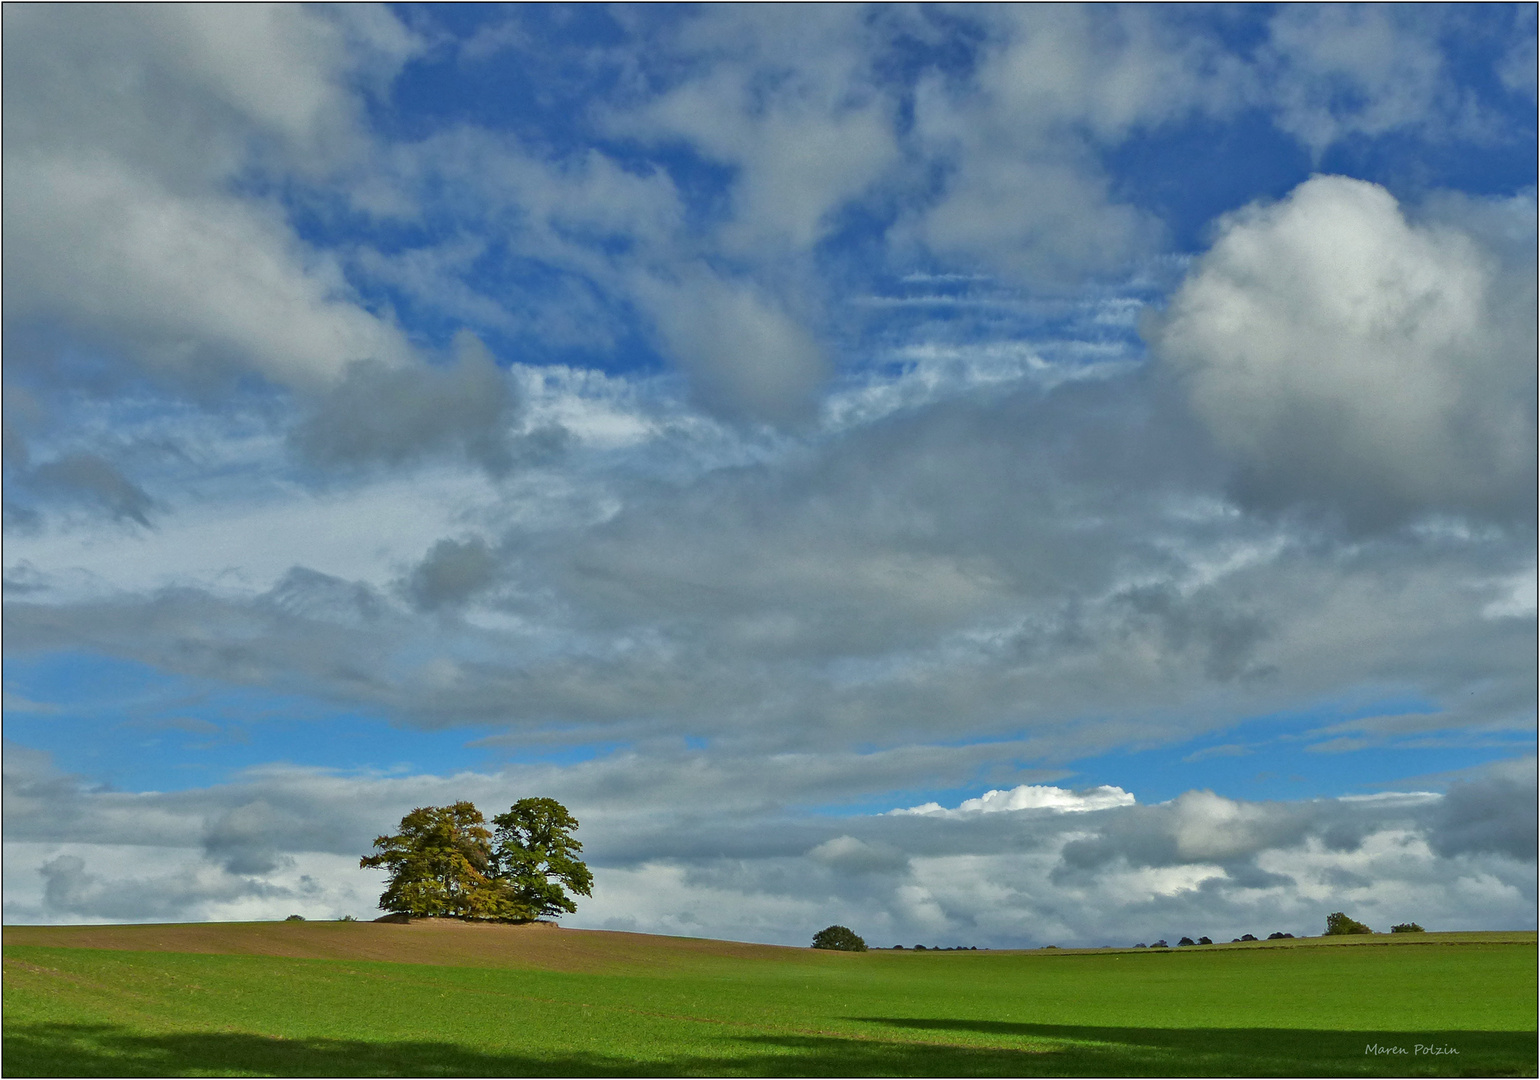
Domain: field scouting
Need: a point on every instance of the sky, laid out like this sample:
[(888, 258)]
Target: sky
[(994, 476)]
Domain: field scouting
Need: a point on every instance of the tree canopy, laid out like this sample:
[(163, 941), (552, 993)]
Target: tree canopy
[(839, 937), (1339, 923), (536, 856), (446, 862)]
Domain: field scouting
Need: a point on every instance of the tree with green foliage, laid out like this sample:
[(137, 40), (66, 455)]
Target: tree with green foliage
[(439, 863), (1338, 923), (444, 863), (842, 938), (536, 856), (1407, 928)]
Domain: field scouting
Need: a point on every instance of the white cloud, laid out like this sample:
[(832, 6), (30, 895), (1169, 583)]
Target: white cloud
[(1109, 69), (179, 92), (1517, 597), (1031, 797), (118, 204), (1517, 68), (1025, 192), (1341, 353), (195, 283), (1341, 70), (789, 100)]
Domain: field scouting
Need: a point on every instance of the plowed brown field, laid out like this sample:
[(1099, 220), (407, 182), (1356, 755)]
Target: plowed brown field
[(446, 942)]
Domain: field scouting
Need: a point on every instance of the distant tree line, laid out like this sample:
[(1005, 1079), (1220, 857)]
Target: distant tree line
[(1337, 923), (446, 863), (845, 939), (946, 948)]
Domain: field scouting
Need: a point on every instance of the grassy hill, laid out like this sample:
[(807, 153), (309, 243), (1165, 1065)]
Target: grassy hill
[(446, 998)]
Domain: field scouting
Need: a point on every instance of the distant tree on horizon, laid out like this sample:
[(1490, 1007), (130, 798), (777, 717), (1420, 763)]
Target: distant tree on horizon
[(842, 938), (446, 863), (1338, 923)]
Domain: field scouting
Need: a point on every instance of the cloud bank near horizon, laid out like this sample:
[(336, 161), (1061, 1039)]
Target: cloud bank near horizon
[(1036, 865)]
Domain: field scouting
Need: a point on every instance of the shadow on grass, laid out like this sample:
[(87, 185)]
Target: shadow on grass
[(1256, 1051), (57, 1049)]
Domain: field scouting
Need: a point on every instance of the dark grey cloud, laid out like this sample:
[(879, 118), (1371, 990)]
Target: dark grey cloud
[(1225, 635), (305, 594), (1492, 813), (451, 573), (96, 481), (242, 839), (72, 889), (381, 415)]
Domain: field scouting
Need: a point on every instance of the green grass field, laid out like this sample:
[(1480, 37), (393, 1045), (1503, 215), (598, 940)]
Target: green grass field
[(373, 1000)]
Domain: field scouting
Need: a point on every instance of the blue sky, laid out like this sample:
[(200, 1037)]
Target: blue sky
[(744, 423)]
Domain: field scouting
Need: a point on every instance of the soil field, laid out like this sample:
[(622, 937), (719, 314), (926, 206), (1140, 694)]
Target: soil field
[(445, 998)]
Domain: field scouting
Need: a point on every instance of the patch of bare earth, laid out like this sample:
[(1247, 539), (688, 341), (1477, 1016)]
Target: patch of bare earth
[(448, 942)]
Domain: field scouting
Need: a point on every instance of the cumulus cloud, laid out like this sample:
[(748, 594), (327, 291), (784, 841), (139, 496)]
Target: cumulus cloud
[(791, 100), (383, 415), (190, 283), (1031, 797), (857, 856), (747, 355), (1489, 813), (118, 203), (1339, 70), (1025, 192), (451, 573), (1345, 355)]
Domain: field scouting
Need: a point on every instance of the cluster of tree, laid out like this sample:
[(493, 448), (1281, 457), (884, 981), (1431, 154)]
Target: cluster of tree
[(1339, 923), (445, 862), (1407, 928)]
